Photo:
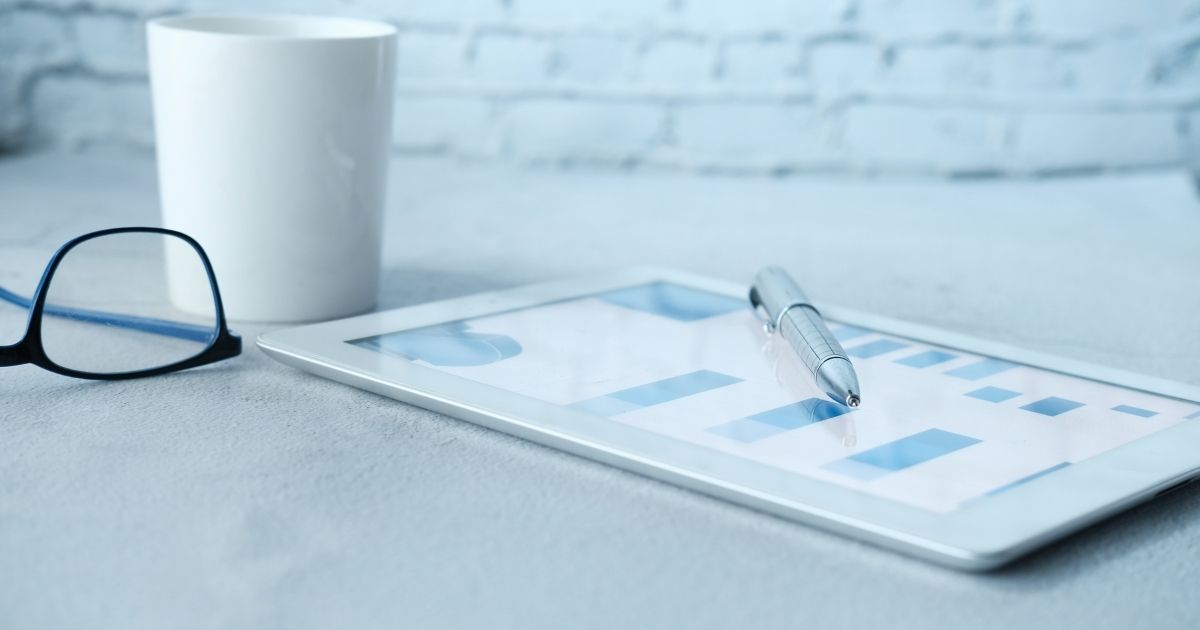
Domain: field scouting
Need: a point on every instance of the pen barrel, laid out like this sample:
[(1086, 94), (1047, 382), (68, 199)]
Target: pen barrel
[(795, 319), (790, 315), (804, 330), (778, 291)]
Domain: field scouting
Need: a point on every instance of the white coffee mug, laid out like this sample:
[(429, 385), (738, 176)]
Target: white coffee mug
[(272, 137)]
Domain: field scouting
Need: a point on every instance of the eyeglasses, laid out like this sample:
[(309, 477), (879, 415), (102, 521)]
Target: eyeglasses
[(123, 303)]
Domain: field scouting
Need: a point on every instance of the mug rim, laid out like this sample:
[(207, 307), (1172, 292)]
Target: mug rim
[(274, 26)]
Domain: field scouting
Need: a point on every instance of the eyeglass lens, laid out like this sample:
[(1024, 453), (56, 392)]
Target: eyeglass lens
[(110, 309)]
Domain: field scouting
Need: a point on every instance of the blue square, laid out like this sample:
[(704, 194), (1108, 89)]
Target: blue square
[(875, 348), (1135, 411), (745, 430), (801, 414), (993, 394), (1052, 406), (926, 359)]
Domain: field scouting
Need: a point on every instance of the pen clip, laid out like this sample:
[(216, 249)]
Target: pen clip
[(760, 312)]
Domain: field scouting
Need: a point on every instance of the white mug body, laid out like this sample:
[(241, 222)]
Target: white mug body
[(272, 137)]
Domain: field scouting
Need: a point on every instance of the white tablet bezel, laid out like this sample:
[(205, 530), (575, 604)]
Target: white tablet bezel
[(981, 535)]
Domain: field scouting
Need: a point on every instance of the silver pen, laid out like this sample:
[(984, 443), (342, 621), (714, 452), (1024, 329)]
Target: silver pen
[(789, 313)]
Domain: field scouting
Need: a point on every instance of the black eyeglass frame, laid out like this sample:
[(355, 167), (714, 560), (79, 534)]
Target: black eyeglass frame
[(29, 350)]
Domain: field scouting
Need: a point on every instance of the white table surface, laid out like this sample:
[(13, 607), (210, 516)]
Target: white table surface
[(250, 495)]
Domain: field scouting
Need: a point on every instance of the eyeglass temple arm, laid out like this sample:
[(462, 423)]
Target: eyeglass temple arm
[(179, 330)]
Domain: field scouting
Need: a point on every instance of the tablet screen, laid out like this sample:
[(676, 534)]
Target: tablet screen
[(938, 427)]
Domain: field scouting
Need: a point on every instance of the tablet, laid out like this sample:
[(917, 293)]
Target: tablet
[(965, 452)]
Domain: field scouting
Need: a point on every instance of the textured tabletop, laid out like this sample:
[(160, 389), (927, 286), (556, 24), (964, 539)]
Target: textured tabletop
[(250, 495)]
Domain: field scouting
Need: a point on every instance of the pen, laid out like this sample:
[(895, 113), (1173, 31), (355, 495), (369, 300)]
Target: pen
[(789, 313), (793, 377)]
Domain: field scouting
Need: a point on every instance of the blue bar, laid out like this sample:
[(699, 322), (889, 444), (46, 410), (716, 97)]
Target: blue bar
[(801, 414), (1136, 411), (901, 454), (982, 369), (1026, 479), (914, 449), (846, 333), (993, 394), (1052, 406), (779, 420), (674, 388), (1193, 416), (926, 359), (875, 348), (746, 430), (604, 406), (655, 393), (678, 302)]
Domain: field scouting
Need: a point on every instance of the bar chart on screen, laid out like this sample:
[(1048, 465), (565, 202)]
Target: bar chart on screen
[(940, 427)]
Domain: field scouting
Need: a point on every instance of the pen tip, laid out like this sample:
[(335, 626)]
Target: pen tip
[(853, 400)]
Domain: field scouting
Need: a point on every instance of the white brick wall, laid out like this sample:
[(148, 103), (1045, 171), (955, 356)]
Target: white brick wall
[(1061, 140), (762, 64), (110, 44), (582, 131), (938, 87), (429, 57), (82, 116), (757, 136), (31, 45), (446, 125), (902, 137)]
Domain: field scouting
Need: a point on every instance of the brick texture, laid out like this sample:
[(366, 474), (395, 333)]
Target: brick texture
[(932, 87), (572, 131)]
